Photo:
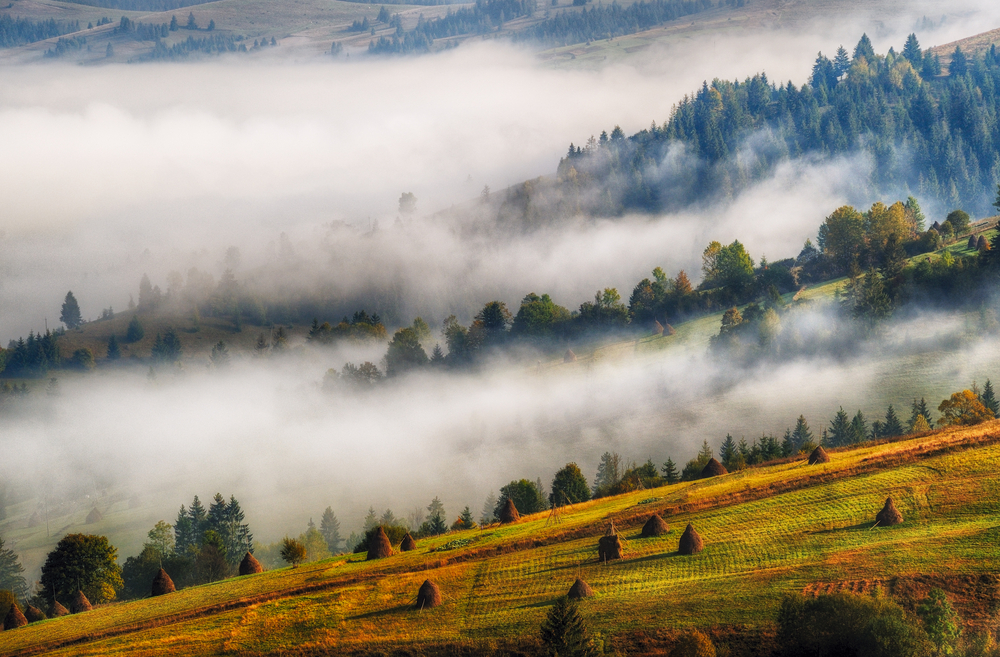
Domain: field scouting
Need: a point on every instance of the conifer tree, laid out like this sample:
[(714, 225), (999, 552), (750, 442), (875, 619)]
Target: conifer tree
[(842, 62), (11, 578), (705, 454), (564, 633), (728, 451), (135, 332), (371, 520), (892, 427), (114, 351), (920, 408), (859, 428), (669, 470), (788, 444), (840, 429), (488, 515), (912, 52), (988, 398), (802, 434), (70, 315), (865, 49), (466, 519), (220, 355), (329, 527)]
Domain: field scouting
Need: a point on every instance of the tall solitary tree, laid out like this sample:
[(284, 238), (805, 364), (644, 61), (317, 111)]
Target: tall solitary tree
[(70, 315), (989, 399), (669, 470), (564, 633), (329, 527), (114, 350), (82, 562), (569, 486)]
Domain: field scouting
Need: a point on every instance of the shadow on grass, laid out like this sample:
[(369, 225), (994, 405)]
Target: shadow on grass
[(864, 526), (391, 611)]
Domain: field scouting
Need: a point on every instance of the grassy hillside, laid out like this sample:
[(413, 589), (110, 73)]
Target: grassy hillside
[(784, 528)]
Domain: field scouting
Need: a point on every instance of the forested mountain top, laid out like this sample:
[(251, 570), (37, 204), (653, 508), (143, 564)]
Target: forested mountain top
[(923, 130)]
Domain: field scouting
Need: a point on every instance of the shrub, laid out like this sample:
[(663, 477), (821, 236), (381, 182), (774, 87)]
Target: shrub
[(292, 551), (693, 643)]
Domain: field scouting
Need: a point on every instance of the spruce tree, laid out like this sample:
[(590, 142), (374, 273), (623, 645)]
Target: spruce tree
[(802, 435), (842, 62), (70, 315), (135, 332), (912, 51), (892, 427), (371, 520), (564, 633), (728, 451), (466, 518), (840, 429), (859, 428), (329, 527), (11, 578), (920, 408), (670, 473), (988, 398), (865, 49), (788, 444), (114, 351)]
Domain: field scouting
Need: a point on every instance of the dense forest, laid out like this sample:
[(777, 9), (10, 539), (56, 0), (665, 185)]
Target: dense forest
[(140, 5), (19, 31), (564, 27), (930, 135)]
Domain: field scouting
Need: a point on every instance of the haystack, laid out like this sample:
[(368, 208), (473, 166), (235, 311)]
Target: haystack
[(79, 603), (609, 547), (94, 516), (580, 589), (162, 584), (34, 520), (408, 543), (973, 242), (654, 527), (671, 330), (819, 455), (378, 545), (429, 595), (15, 619), (58, 610), (713, 469), (508, 513), (250, 565), (982, 244), (889, 515), (34, 614), (570, 357), (690, 542), (657, 328)]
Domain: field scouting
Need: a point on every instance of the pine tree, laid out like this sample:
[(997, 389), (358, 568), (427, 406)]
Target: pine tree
[(865, 49), (329, 527), (859, 428), (920, 408), (728, 451), (114, 351), (912, 51), (705, 454), (988, 398), (788, 444), (10, 573), (70, 315), (488, 516), (436, 517), (564, 633), (892, 426), (466, 518), (669, 471), (842, 62), (135, 332), (840, 430), (802, 434), (371, 520)]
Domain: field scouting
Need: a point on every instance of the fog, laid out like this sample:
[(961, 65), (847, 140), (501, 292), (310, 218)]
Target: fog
[(112, 172)]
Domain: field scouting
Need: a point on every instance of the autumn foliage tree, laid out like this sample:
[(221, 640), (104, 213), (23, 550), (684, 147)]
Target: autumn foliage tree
[(963, 409)]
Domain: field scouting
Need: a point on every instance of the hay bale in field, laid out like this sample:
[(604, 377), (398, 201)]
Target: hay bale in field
[(654, 527), (982, 244), (889, 515), (713, 469), (570, 357), (690, 542), (671, 330), (973, 243), (162, 584), (657, 328), (34, 614), (579, 590), (429, 595), (34, 520), (609, 547), (58, 610), (14, 619), (379, 546), (250, 565), (79, 603), (94, 516), (819, 455), (508, 513), (408, 543)]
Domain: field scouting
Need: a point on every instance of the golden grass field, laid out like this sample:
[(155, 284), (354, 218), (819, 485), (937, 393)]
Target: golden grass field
[(768, 531)]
